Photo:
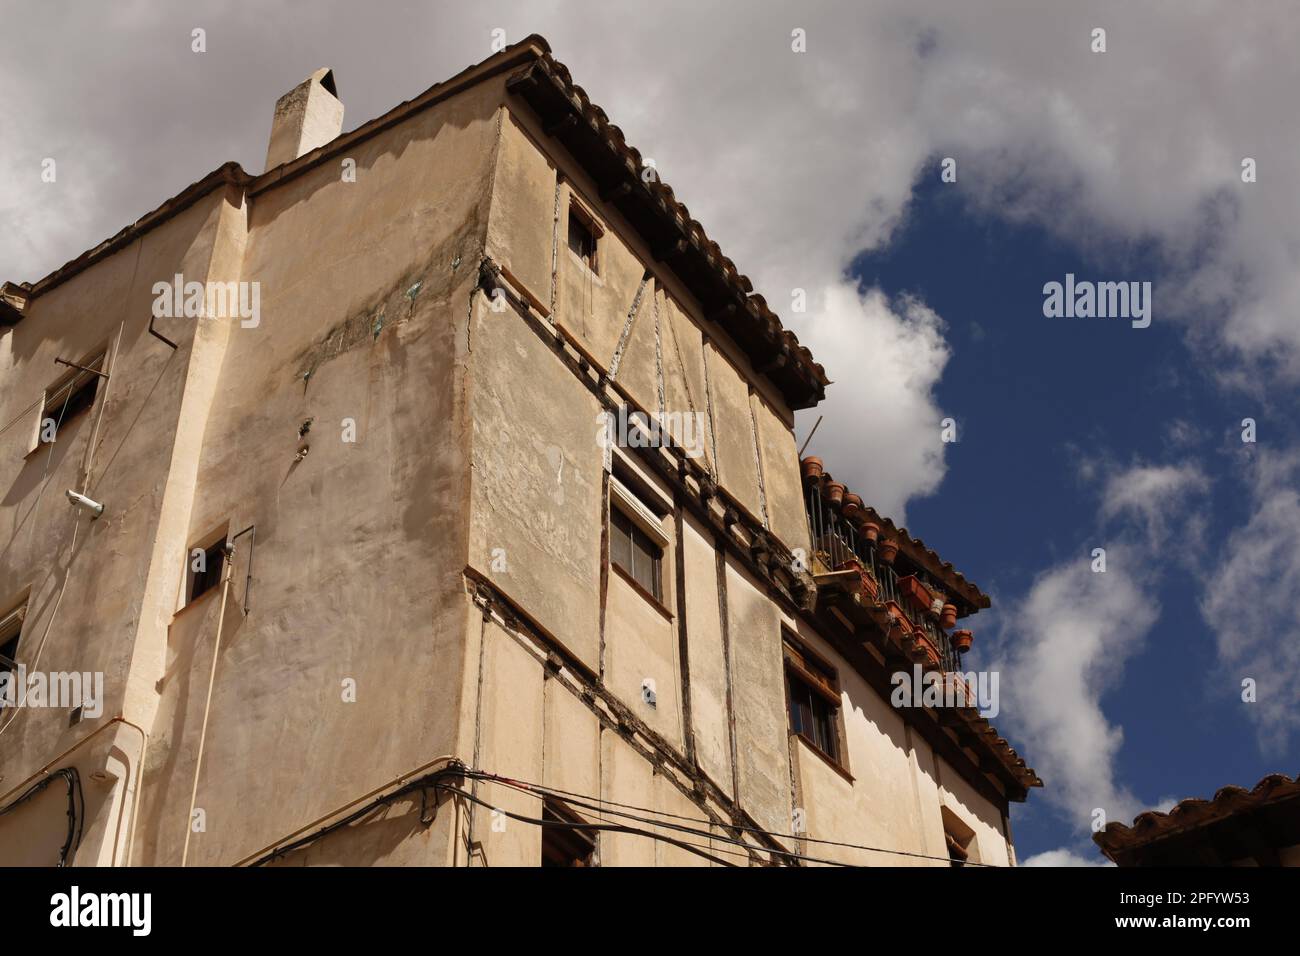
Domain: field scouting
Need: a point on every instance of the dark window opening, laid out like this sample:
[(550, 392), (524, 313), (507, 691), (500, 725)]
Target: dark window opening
[(636, 553), (11, 632), (633, 482), (204, 580), (562, 843), (74, 395), (583, 239)]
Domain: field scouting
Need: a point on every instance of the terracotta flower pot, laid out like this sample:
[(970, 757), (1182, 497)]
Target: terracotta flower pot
[(871, 531), (887, 550), (961, 641), (948, 616), (899, 617), (925, 647), (915, 592), (835, 492), (812, 467), (851, 564), (852, 505)]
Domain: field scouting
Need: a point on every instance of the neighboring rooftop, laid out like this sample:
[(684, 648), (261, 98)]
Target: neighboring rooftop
[(1237, 824)]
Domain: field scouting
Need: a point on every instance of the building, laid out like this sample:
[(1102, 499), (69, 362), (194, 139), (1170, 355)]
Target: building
[(359, 556), (1238, 827)]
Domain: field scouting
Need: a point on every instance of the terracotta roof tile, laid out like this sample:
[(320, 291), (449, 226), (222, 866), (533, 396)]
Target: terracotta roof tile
[(666, 224), (1194, 812)]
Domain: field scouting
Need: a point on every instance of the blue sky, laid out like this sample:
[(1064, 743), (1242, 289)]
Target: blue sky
[(1034, 397)]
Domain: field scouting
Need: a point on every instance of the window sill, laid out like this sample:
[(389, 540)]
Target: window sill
[(650, 598), (825, 757), (587, 271), (200, 600), (40, 447)]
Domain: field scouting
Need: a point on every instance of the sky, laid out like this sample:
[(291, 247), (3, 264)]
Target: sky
[(810, 140)]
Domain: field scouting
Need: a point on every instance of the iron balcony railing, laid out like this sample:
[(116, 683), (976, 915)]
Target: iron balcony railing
[(837, 541)]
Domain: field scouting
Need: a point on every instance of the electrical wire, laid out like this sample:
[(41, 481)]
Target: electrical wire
[(35, 520), (577, 801), (573, 797), (435, 781), (598, 827), (76, 817), (419, 784)]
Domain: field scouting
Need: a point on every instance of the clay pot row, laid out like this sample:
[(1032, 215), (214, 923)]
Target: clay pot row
[(911, 587), (851, 506), (869, 586)]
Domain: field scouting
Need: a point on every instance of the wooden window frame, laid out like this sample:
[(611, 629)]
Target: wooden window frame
[(587, 220), (813, 671), (562, 842), (643, 519), (11, 633), (959, 838), (74, 383)]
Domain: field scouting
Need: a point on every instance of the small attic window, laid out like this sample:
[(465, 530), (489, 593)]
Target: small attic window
[(959, 838), (204, 565), (67, 398), (584, 237), (327, 81)]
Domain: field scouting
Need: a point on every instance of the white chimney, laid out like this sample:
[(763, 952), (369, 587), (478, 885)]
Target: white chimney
[(309, 115)]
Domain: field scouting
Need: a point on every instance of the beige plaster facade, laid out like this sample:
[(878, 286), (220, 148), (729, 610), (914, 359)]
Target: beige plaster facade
[(410, 426)]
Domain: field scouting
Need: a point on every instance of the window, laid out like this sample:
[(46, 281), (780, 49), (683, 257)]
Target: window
[(69, 397), (204, 569), (634, 552), (812, 717), (814, 701), (638, 542), (562, 843), (959, 838), (584, 236), (11, 632)]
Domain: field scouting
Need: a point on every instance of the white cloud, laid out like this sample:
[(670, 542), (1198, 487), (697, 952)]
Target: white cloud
[(1065, 857), (882, 431), (1251, 597), (1155, 496), (796, 163), (1067, 642)]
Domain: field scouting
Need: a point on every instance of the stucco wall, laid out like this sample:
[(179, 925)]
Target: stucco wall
[(892, 794), (87, 577), (366, 287), (647, 335)]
